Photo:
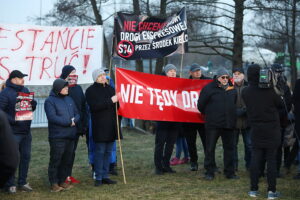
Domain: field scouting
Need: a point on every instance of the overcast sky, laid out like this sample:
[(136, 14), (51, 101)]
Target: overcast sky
[(20, 11)]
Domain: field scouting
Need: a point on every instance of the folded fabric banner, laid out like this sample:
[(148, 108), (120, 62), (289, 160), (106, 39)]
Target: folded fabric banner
[(160, 98)]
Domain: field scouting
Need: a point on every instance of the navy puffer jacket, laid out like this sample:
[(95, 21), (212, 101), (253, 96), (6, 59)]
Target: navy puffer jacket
[(60, 110), (8, 98)]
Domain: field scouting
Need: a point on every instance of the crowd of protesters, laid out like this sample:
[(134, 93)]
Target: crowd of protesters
[(231, 106)]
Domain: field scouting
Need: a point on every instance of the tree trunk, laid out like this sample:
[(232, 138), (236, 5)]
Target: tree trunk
[(137, 11), (99, 21), (237, 60), (292, 49)]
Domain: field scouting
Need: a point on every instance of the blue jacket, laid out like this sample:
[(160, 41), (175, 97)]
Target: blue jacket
[(8, 98), (60, 110)]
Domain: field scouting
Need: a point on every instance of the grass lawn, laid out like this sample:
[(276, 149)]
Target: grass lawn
[(141, 181)]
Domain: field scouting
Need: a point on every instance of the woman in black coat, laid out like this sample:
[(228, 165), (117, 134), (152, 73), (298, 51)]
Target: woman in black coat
[(263, 106), (102, 101)]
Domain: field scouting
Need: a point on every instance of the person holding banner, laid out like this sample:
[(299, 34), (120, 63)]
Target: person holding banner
[(62, 118), (20, 126), (165, 137), (102, 101), (191, 129), (217, 102), (76, 93)]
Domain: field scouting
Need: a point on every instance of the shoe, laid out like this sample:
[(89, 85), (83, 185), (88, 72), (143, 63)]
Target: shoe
[(184, 160), (175, 161), (234, 177), (253, 194), (66, 186), (25, 188), (169, 170), (73, 180), (297, 176), (158, 171), (209, 177), (98, 183), (273, 195), (108, 181), (12, 190), (56, 188), (194, 166)]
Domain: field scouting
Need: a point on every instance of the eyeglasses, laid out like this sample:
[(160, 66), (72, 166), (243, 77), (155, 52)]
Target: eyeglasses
[(224, 77)]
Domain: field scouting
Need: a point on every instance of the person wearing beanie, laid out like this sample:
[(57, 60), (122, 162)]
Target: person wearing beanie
[(217, 103), (9, 97), (241, 127), (165, 137), (262, 110), (62, 116), (191, 129), (102, 101), (76, 93)]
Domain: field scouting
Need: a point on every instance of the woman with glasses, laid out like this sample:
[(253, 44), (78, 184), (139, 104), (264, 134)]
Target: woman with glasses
[(217, 102)]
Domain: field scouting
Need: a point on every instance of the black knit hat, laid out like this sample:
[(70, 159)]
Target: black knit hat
[(66, 70), (238, 69), (253, 73), (58, 85)]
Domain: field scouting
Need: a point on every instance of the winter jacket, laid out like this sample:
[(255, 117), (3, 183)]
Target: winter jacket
[(262, 105), (60, 110), (218, 105), (296, 102), (8, 98), (103, 112), (241, 112), (76, 93), (9, 152)]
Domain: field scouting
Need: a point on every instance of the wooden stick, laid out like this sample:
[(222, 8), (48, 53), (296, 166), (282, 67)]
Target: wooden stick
[(119, 137), (181, 63)]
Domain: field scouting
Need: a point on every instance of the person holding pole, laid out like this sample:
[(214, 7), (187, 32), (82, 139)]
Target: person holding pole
[(102, 101)]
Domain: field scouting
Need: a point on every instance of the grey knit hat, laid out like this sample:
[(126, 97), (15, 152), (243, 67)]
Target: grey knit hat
[(169, 67), (222, 71), (96, 73)]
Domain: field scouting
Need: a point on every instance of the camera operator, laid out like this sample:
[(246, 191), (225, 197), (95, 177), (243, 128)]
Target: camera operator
[(283, 112), (262, 111)]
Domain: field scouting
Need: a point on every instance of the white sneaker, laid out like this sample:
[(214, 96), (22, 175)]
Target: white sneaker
[(12, 189), (25, 188)]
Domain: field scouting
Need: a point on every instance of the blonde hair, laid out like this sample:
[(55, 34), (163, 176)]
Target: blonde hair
[(2, 86)]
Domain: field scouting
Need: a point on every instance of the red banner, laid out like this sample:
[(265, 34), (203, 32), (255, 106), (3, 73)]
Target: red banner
[(158, 98)]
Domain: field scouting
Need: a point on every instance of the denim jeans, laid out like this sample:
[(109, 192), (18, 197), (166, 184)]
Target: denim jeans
[(181, 145), (113, 157), (24, 142), (61, 154), (102, 158), (247, 147)]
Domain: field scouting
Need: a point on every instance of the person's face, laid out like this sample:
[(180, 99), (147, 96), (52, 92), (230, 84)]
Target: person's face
[(171, 73), (196, 74), (238, 77), (101, 79), (65, 90), (223, 79), (18, 81)]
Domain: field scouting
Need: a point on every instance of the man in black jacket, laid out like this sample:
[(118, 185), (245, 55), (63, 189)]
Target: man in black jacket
[(242, 126), (191, 129), (76, 93), (262, 110), (217, 103), (20, 128)]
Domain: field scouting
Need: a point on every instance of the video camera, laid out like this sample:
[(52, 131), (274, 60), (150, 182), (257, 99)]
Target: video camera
[(272, 77)]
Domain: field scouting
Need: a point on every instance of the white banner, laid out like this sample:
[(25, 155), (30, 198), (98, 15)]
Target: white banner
[(42, 51)]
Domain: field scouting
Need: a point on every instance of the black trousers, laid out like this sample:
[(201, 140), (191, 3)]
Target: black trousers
[(212, 135), (70, 165), (61, 151), (164, 144), (259, 155), (191, 130)]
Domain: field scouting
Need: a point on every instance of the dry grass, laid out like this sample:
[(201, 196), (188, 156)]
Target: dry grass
[(141, 181)]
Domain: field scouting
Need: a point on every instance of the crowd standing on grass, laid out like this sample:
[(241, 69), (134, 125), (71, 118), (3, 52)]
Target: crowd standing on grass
[(232, 106)]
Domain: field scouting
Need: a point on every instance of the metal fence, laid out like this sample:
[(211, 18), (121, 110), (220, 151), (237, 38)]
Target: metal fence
[(39, 118)]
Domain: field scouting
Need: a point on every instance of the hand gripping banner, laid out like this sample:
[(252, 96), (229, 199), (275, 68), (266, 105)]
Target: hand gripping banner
[(140, 36), (160, 98)]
